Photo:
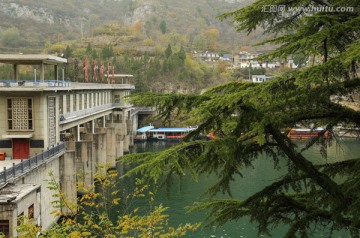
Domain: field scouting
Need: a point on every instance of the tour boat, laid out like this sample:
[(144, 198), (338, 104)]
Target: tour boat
[(164, 134), (142, 133), (305, 133), (169, 134)]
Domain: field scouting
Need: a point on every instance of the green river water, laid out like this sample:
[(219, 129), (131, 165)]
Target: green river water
[(185, 191)]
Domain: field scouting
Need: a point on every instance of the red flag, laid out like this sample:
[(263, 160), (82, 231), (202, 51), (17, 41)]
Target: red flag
[(102, 68), (86, 67), (95, 67), (113, 74)]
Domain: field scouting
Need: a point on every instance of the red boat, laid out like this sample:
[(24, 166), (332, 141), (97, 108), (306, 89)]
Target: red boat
[(304, 134)]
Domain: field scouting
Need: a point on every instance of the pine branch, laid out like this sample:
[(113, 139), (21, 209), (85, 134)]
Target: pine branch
[(307, 167)]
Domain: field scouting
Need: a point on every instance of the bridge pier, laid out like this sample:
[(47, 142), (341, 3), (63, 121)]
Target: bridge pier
[(100, 146), (111, 146), (68, 175), (84, 163)]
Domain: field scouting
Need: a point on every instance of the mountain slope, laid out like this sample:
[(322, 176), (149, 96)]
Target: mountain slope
[(30, 25)]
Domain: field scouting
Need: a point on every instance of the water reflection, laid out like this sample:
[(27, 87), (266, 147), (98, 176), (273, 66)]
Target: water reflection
[(185, 191)]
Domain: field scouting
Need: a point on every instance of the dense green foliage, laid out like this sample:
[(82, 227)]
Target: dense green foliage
[(252, 119)]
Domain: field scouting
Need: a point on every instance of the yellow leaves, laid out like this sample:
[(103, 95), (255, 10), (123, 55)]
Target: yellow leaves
[(27, 228), (85, 234), (95, 206), (116, 201), (95, 226), (75, 234)]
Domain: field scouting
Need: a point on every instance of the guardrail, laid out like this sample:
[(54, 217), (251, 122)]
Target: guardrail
[(142, 110), (27, 165)]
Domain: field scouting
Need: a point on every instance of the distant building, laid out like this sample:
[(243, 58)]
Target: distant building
[(209, 56), (261, 78), (245, 59), (226, 58), (272, 65), (290, 63)]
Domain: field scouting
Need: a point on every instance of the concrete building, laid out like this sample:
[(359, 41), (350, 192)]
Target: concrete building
[(58, 127)]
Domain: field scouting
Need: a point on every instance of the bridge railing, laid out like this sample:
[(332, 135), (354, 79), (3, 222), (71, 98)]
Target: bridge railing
[(84, 112), (27, 165)]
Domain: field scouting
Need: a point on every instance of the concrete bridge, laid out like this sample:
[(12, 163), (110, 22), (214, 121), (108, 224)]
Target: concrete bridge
[(56, 126)]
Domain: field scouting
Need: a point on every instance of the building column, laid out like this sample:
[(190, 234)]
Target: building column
[(15, 69), (42, 72)]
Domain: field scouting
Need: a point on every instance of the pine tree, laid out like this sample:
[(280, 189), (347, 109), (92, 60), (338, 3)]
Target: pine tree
[(168, 51), (252, 120), (163, 26)]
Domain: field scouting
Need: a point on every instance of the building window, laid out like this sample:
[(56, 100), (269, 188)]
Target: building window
[(20, 114), (74, 102), (5, 227), (68, 103), (61, 104), (20, 219), (31, 212), (85, 101), (80, 101)]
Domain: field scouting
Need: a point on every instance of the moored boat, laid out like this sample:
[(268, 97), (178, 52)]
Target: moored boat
[(141, 134), (169, 134), (306, 133)]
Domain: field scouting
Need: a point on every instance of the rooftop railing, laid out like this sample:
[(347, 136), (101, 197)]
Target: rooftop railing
[(6, 83), (34, 84), (17, 170)]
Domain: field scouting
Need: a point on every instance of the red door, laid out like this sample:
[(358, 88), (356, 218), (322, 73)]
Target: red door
[(21, 149)]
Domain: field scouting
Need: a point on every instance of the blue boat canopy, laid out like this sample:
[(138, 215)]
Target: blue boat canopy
[(176, 129), (144, 129)]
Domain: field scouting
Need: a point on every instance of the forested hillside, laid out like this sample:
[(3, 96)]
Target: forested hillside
[(152, 39), (29, 26)]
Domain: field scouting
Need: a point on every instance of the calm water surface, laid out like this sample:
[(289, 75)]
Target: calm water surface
[(185, 191)]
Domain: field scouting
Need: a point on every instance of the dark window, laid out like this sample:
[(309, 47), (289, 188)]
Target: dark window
[(85, 101), (61, 104), (5, 228), (80, 101), (68, 103), (20, 219), (31, 212)]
